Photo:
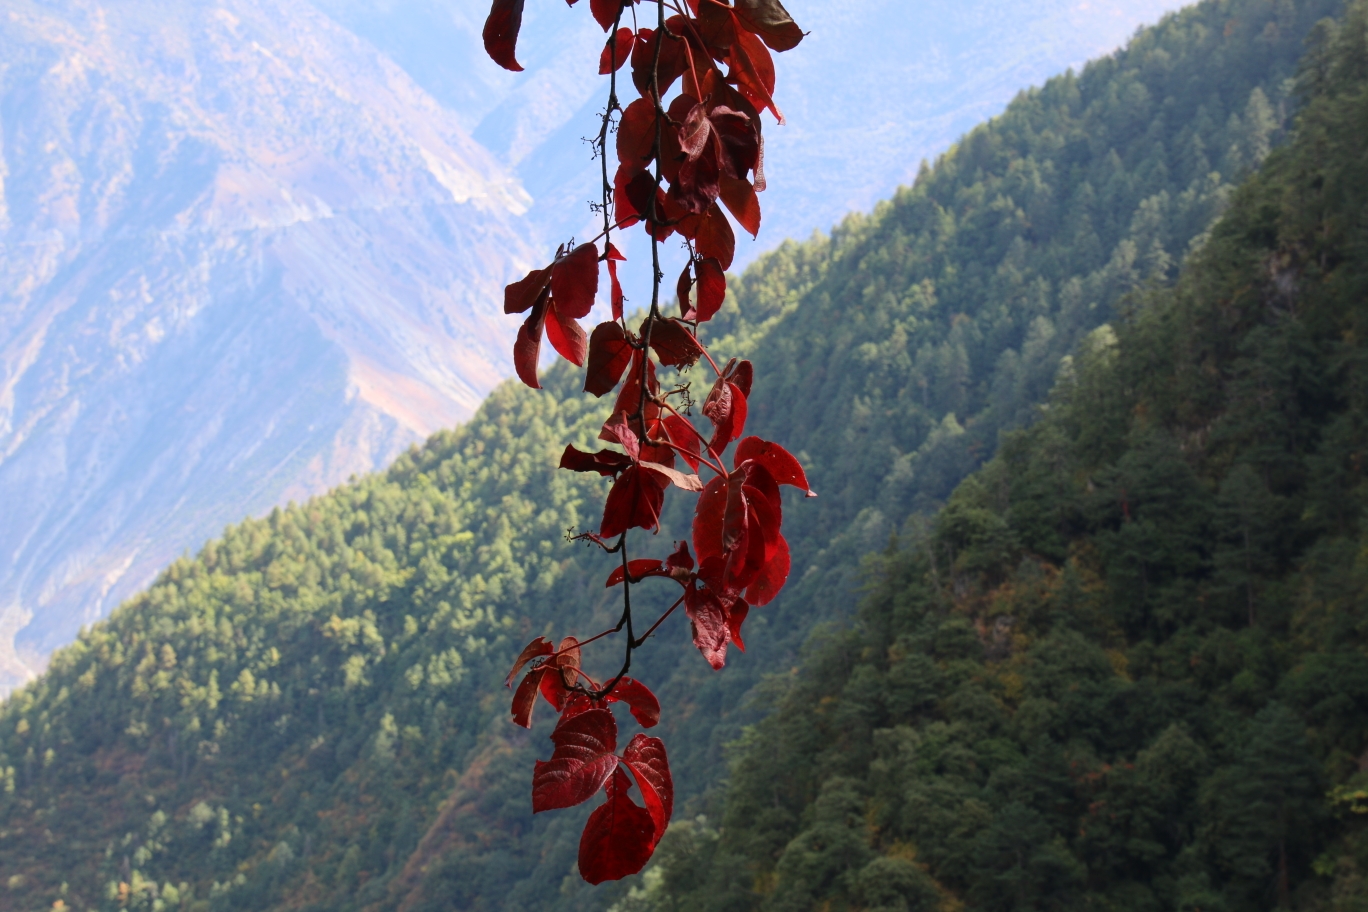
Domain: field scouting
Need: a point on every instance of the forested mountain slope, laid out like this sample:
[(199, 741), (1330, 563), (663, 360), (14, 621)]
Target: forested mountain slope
[(309, 714), (1128, 667)]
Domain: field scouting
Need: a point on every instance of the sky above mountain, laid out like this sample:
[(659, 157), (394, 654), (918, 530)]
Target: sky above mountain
[(876, 87)]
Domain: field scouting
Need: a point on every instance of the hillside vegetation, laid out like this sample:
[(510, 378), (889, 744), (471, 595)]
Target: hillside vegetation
[(308, 714), (1128, 666)]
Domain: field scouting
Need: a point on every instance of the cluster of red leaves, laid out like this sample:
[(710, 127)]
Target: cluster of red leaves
[(682, 165)]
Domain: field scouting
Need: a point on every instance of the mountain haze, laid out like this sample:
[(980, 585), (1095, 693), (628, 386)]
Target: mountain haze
[(244, 257)]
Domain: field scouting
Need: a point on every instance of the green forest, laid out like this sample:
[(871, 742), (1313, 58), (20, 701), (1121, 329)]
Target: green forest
[(1085, 406)]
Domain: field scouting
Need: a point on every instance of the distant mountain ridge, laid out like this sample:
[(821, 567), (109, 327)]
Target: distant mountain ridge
[(243, 258)]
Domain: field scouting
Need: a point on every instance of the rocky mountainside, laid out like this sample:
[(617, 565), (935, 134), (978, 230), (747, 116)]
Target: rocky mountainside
[(244, 256)]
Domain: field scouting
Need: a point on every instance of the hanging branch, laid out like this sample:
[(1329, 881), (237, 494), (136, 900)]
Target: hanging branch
[(688, 148)]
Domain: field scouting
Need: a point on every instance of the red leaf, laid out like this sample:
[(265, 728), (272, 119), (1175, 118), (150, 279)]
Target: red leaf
[(605, 462), (735, 520), (682, 288), (636, 134), (619, 837), (525, 292), (574, 281), (709, 513), (715, 238), (738, 141), (754, 70), (769, 20), (616, 51), (741, 201), (634, 502), (680, 560), (525, 697), (712, 289), (566, 336), (616, 430), (726, 408), (605, 12), (613, 256), (624, 213), (736, 616), (639, 569), (568, 661), (741, 373), (670, 66), (672, 342), (639, 699), (709, 625), (645, 757), (527, 347), (609, 355), (777, 460), (770, 580), (682, 434), (541, 646), (501, 33), (581, 764), (629, 398)]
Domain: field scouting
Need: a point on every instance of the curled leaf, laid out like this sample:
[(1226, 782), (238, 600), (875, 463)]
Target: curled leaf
[(501, 33), (609, 354), (541, 646)]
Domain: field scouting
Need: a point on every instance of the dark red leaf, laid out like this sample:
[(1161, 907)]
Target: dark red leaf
[(634, 502), (726, 408), (681, 433), (682, 289), (736, 616), (771, 578), (740, 373), (629, 398), (501, 33), (714, 238), (525, 292), (741, 201), (616, 51), (716, 25), (566, 336), (636, 135), (541, 646), (639, 569), (574, 281), (605, 12), (527, 347), (643, 704), (738, 141), (777, 460), (680, 560), (735, 522), (672, 342), (581, 764), (645, 757), (614, 257), (619, 837), (609, 355), (708, 623), (616, 430), (624, 213), (671, 62), (709, 514), (769, 20), (754, 70), (605, 462), (712, 289), (525, 697)]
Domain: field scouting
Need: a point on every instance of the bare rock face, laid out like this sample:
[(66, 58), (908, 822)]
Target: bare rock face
[(242, 257)]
